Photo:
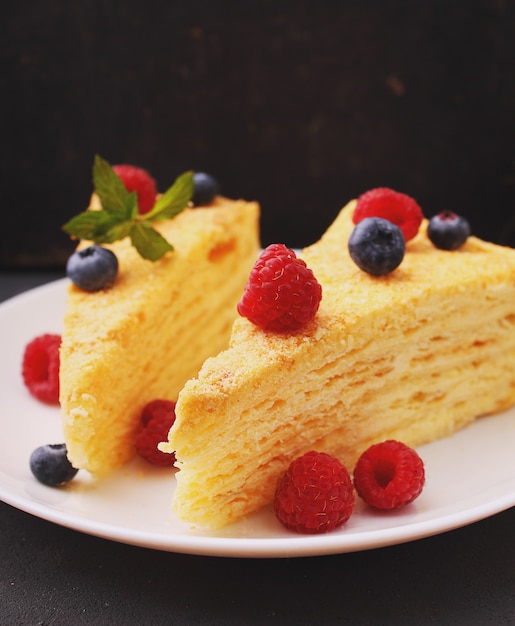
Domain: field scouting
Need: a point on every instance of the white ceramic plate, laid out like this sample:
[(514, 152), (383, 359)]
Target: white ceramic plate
[(470, 476)]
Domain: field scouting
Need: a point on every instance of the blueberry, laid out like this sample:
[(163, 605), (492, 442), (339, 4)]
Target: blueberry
[(448, 231), (205, 188), (377, 246), (51, 466), (92, 268)]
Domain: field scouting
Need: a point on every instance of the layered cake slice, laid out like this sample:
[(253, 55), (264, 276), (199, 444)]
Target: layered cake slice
[(413, 355), (142, 338)]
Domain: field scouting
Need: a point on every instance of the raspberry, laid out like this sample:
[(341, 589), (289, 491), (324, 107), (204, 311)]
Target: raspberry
[(389, 475), (40, 367), (315, 495), (391, 205), (157, 418), (140, 181), (282, 293)]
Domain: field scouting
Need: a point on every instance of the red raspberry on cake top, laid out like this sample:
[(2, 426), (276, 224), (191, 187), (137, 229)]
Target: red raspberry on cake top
[(282, 294), (396, 207), (138, 180)]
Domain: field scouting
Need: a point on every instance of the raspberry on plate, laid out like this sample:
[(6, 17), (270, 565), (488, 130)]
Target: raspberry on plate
[(282, 293), (140, 181), (389, 475), (40, 367), (157, 418), (391, 205), (315, 495)]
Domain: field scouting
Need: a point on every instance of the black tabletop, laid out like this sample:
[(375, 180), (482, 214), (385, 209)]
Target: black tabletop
[(54, 575)]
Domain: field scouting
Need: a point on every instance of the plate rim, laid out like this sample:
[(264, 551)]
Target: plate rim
[(272, 547)]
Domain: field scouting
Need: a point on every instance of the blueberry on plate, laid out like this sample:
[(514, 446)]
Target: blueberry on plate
[(377, 246), (448, 231), (50, 465), (205, 188), (93, 268)]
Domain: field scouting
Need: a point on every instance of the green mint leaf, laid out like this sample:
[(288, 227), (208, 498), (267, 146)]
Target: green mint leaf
[(174, 200), (110, 189), (90, 225), (115, 232), (119, 217), (148, 242)]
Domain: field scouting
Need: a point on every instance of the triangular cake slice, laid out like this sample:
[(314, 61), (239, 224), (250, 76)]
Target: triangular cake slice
[(414, 356), (151, 331)]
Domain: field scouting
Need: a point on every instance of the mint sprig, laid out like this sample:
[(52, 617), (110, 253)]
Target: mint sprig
[(119, 217)]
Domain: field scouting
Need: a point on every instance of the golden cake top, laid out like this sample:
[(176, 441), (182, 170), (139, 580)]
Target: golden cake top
[(200, 234), (425, 274), (424, 268)]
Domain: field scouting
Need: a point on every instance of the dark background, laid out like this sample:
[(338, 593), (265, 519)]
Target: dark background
[(300, 105)]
